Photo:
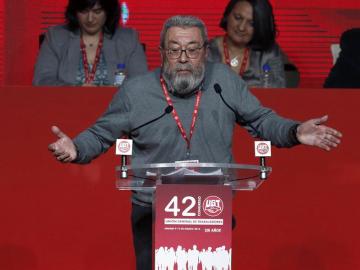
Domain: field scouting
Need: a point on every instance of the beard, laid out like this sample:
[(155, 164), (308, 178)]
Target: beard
[(183, 84)]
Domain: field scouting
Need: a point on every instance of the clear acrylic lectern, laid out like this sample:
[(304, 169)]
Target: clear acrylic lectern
[(148, 176)]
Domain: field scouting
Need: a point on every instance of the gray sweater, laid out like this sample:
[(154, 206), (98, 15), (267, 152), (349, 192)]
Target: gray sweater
[(59, 56), (141, 99)]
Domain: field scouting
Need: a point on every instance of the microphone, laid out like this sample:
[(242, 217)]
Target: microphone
[(167, 110), (241, 120), (124, 169), (238, 117)]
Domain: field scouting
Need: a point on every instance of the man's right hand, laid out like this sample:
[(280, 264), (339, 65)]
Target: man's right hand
[(63, 149)]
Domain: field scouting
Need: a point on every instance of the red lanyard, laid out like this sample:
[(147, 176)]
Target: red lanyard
[(89, 76), (176, 116), (244, 60)]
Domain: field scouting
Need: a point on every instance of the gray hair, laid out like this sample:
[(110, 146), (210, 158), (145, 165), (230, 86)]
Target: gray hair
[(183, 21)]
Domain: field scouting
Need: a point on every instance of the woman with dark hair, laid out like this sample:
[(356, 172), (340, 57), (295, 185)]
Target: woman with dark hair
[(87, 50), (248, 45)]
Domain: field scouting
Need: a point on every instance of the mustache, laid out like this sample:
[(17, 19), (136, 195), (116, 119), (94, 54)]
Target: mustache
[(182, 67)]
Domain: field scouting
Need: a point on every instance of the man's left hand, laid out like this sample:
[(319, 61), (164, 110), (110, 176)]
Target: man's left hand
[(313, 132)]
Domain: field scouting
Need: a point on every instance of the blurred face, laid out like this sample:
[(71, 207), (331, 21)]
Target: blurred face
[(240, 23), (91, 20), (183, 59)]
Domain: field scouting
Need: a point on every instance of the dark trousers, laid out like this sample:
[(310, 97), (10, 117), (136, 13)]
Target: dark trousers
[(141, 221)]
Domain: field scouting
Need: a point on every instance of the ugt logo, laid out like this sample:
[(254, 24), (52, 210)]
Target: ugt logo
[(213, 206), (262, 148), (124, 146)]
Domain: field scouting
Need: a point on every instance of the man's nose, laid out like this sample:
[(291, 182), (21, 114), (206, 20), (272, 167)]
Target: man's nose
[(183, 57)]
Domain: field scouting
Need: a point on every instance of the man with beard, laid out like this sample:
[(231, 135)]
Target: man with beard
[(200, 126)]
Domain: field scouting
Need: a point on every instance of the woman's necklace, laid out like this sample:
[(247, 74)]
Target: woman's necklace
[(90, 74), (92, 43), (234, 62)]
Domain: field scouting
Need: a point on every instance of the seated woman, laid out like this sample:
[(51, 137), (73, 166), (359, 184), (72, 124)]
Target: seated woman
[(346, 71), (87, 50), (248, 45)]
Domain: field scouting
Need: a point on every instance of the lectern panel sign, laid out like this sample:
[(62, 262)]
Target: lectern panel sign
[(193, 227)]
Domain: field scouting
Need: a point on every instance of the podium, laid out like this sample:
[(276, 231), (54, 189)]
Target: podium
[(193, 209)]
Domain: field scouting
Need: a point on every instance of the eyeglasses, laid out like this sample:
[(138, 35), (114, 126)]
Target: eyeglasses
[(191, 52)]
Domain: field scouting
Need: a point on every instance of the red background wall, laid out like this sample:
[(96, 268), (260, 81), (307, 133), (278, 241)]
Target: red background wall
[(307, 29), (55, 216)]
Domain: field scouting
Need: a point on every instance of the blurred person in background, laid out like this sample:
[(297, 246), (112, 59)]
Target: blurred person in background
[(346, 71), (87, 50), (249, 42)]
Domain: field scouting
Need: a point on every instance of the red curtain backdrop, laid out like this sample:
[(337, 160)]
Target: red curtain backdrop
[(306, 30)]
